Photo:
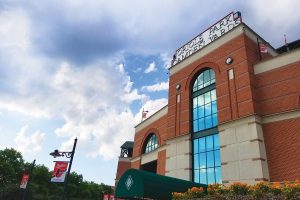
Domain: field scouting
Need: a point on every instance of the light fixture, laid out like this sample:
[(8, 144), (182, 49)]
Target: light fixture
[(229, 60)]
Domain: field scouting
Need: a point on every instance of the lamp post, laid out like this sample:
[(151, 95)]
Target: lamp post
[(70, 155)]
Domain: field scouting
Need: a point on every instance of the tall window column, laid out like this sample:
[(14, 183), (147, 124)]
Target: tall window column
[(206, 146)]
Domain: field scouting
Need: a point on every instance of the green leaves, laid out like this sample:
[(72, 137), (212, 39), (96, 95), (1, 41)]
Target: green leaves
[(12, 166)]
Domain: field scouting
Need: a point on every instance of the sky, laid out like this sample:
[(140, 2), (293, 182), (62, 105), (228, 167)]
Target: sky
[(86, 69)]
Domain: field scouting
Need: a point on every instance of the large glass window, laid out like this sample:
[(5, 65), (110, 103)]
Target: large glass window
[(151, 143), (206, 146)]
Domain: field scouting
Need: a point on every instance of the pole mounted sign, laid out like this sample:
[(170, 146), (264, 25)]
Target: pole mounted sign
[(24, 181), (59, 172), (209, 35)]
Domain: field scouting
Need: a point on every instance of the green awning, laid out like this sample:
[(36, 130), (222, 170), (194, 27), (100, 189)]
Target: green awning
[(138, 184)]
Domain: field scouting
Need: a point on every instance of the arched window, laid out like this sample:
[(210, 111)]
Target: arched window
[(151, 143), (206, 146)]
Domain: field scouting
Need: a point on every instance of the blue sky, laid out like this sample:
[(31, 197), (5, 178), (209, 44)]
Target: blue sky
[(87, 68)]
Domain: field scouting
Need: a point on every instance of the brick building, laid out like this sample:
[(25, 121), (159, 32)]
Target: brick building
[(232, 115)]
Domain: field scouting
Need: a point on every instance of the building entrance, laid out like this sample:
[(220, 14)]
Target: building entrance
[(150, 167)]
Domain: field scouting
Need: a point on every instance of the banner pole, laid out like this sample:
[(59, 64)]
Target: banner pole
[(69, 169), (258, 47), (27, 186)]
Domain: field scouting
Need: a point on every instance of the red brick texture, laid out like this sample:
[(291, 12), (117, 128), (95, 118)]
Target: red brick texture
[(161, 162), (282, 141), (159, 127), (122, 167), (136, 164), (278, 90)]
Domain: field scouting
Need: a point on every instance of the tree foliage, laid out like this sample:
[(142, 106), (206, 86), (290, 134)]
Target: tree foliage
[(12, 166)]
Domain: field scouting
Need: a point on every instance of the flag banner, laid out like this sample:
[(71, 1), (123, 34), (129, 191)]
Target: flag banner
[(105, 197), (111, 197), (59, 172), (144, 114), (24, 181), (263, 48)]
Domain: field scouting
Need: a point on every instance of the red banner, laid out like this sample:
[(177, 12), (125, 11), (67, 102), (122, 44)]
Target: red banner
[(108, 197), (59, 172), (263, 48), (24, 181), (105, 197)]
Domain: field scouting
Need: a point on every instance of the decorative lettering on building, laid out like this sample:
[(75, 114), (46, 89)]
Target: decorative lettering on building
[(209, 35)]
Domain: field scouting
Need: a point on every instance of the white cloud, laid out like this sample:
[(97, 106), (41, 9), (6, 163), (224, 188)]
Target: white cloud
[(281, 8), (152, 106), (151, 68), (14, 29), (27, 143), (167, 59), (92, 100), (133, 96), (157, 87)]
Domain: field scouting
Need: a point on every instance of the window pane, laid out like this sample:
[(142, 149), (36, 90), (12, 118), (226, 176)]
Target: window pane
[(195, 114), (201, 111), (152, 144), (218, 175), (196, 149), (207, 97), (201, 124), (196, 126), (207, 109), (217, 158), (203, 176), (196, 176), (208, 122), (210, 176), (202, 160), (209, 143), (214, 107), (196, 161), (195, 86), (213, 95), (202, 144), (214, 120), (206, 84), (210, 159), (216, 141), (200, 100), (212, 76), (194, 102), (206, 76), (200, 80)]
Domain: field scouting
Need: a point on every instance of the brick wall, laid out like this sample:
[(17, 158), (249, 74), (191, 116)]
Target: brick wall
[(161, 162), (136, 164), (122, 167), (159, 127), (282, 141), (278, 90)]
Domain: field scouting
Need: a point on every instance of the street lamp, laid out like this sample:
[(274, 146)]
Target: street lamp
[(57, 153)]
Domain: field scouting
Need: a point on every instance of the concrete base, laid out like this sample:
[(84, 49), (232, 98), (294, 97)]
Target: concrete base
[(243, 152), (178, 158)]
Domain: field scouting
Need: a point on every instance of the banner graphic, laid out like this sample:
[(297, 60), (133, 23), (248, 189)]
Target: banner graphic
[(59, 172), (24, 181)]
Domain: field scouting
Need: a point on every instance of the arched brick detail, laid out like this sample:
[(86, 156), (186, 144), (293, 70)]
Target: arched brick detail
[(150, 131)]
